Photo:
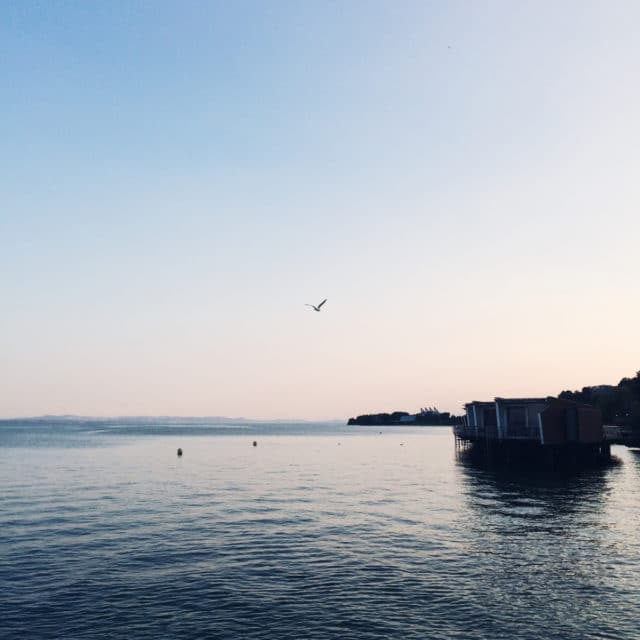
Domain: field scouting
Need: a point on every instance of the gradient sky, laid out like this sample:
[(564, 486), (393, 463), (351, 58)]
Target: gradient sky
[(460, 179)]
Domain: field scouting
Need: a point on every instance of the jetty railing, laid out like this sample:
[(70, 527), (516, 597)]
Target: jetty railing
[(492, 432)]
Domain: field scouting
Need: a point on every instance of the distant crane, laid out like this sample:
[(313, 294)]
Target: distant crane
[(314, 307)]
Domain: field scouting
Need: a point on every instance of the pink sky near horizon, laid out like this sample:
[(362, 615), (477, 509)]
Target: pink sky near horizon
[(460, 181)]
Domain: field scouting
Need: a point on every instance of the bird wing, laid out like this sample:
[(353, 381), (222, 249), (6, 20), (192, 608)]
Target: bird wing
[(322, 303)]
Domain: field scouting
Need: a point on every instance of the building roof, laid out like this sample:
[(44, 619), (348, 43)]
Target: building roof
[(525, 400), (486, 403)]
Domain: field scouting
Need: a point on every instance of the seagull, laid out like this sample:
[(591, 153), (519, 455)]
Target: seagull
[(314, 306)]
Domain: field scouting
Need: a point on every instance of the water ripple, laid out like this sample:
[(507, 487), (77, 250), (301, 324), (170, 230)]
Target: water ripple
[(232, 542)]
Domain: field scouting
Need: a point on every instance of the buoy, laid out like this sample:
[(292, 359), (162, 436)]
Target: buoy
[(179, 452), (255, 444)]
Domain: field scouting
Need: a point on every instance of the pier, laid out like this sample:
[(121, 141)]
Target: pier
[(545, 432), (626, 436)]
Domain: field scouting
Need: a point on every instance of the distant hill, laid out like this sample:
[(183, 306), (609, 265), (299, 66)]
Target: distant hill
[(158, 420)]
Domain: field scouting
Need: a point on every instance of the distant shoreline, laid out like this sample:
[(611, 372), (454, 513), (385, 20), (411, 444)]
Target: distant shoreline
[(166, 420), (432, 418)]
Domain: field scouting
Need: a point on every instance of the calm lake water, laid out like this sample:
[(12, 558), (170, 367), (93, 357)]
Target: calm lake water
[(318, 532)]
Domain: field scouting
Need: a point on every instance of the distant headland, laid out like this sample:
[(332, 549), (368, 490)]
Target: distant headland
[(428, 416)]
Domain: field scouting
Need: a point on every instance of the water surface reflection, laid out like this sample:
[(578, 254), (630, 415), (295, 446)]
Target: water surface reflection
[(539, 540)]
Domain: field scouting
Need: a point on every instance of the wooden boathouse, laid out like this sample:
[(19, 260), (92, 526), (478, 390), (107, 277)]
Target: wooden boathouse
[(543, 431)]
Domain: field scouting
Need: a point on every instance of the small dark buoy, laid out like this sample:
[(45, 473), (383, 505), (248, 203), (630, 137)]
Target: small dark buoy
[(255, 444), (179, 452)]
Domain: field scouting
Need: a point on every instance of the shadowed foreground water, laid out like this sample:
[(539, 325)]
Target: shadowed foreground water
[(318, 532)]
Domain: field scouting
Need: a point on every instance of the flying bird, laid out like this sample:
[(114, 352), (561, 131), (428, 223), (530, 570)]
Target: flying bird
[(314, 306)]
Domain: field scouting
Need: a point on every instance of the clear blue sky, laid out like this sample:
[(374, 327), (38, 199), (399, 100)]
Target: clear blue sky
[(459, 179)]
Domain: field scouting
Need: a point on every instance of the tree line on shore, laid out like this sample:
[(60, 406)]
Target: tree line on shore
[(619, 404), (426, 417)]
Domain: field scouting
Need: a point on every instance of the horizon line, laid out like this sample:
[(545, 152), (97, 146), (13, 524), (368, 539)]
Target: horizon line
[(73, 416)]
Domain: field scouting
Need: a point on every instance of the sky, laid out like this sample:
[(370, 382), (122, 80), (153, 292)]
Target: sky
[(177, 180)]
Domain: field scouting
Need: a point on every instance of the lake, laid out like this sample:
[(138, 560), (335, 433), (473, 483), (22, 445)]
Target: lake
[(319, 531)]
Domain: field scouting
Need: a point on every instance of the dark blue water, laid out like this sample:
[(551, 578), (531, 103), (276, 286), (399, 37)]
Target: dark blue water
[(318, 532)]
